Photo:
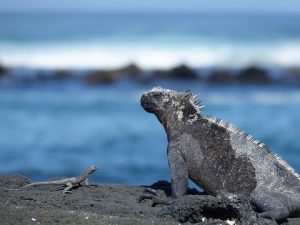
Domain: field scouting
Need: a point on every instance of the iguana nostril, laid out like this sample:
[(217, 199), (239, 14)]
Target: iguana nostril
[(143, 98)]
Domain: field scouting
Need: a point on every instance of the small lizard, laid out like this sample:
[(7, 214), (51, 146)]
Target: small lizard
[(68, 182)]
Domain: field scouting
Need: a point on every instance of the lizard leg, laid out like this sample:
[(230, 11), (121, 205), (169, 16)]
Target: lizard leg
[(85, 182), (67, 189), (273, 205), (153, 195)]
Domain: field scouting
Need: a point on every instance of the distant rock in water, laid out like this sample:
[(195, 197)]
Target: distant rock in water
[(62, 74), (182, 72), (221, 76), (102, 77), (110, 76), (50, 75), (3, 70), (131, 70), (253, 75), (293, 75)]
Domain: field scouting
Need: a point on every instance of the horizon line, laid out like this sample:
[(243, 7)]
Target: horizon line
[(151, 11)]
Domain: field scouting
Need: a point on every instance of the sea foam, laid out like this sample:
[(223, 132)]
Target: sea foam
[(148, 55)]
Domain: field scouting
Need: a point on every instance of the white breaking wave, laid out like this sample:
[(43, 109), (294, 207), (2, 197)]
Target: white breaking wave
[(148, 56)]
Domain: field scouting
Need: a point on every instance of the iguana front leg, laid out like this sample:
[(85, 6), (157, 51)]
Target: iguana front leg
[(67, 189), (178, 169), (179, 178)]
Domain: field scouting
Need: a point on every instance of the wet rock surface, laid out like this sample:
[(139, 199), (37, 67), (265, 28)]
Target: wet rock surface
[(116, 204)]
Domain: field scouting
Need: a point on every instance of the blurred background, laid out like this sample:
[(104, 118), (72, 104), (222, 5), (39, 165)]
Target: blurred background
[(72, 73)]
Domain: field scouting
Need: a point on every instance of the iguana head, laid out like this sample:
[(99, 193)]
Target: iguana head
[(92, 169), (157, 99), (168, 103)]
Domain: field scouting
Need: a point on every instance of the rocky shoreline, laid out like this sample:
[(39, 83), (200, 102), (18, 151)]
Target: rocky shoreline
[(117, 204), (219, 76)]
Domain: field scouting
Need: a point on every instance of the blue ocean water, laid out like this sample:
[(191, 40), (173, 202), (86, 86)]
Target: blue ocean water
[(99, 40), (57, 128)]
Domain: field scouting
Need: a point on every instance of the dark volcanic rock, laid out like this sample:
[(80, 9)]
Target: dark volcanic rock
[(181, 72), (115, 204), (44, 75), (253, 75), (13, 181), (3, 70), (212, 210), (102, 77), (111, 76), (96, 204), (61, 74), (220, 76), (166, 187), (293, 75), (131, 70)]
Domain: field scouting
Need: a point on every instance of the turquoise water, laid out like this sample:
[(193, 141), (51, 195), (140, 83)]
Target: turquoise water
[(58, 129), (91, 40)]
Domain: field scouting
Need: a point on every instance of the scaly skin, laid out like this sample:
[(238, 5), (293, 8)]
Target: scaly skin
[(220, 158)]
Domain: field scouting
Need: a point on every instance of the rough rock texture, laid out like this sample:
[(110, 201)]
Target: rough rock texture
[(113, 204), (210, 210)]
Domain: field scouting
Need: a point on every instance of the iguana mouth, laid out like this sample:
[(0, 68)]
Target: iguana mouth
[(147, 104)]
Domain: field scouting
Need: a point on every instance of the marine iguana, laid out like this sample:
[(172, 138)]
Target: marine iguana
[(221, 158), (68, 182)]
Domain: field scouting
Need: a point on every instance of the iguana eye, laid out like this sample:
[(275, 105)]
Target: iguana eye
[(156, 95)]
